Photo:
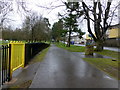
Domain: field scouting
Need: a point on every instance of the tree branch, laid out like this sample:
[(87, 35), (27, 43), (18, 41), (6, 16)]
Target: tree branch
[(113, 14), (88, 21), (105, 24)]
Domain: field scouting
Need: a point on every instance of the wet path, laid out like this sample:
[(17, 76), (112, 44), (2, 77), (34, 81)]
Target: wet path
[(63, 69)]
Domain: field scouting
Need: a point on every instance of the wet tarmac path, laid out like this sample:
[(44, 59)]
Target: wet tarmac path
[(63, 69)]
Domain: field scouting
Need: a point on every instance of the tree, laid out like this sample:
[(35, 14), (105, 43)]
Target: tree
[(42, 29), (57, 30), (36, 28), (6, 8), (7, 33), (70, 21), (39, 26), (26, 29), (101, 15), (80, 33)]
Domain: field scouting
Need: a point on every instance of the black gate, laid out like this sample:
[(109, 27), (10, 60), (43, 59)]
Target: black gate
[(5, 63)]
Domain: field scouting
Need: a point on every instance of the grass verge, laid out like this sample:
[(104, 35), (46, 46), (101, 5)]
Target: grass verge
[(39, 57), (109, 53), (72, 48), (105, 64)]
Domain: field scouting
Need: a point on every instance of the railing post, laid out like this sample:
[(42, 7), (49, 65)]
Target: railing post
[(2, 64), (9, 69)]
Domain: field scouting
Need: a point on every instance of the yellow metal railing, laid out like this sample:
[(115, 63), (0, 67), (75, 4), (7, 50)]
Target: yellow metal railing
[(17, 56)]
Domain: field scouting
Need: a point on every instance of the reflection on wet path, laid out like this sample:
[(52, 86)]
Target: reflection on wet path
[(63, 69), (95, 55)]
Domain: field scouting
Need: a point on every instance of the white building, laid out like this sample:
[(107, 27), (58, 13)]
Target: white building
[(77, 40)]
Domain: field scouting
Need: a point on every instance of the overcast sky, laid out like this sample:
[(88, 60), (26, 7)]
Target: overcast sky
[(35, 6), (51, 14)]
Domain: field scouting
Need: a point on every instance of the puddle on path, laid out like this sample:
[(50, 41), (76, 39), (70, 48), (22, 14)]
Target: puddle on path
[(95, 55)]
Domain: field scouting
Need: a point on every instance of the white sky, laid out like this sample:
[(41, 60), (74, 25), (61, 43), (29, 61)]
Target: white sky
[(33, 5), (52, 15)]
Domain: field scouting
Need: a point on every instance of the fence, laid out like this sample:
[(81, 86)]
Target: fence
[(17, 54), (31, 49), (5, 63)]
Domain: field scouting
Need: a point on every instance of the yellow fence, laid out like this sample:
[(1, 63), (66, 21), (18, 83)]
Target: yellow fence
[(17, 56)]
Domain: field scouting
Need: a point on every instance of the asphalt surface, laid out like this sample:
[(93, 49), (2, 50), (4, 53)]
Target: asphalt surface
[(21, 77), (63, 69)]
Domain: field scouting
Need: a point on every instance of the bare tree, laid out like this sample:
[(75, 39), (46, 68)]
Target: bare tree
[(5, 8), (101, 15)]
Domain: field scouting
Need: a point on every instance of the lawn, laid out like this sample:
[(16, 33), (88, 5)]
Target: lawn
[(109, 53), (3, 42), (72, 48), (105, 64)]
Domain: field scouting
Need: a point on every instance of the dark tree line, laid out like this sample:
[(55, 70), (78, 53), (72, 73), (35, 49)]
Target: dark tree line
[(34, 29)]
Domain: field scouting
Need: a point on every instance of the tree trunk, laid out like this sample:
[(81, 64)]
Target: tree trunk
[(99, 46), (89, 49), (68, 43), (32, 35), (64, 41)]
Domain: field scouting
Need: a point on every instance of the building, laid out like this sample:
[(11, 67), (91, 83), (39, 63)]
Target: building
[(113, 36), (77, 40), (113, 31)]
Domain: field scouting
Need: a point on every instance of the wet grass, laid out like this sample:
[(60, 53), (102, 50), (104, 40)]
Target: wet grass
[(72, 48), (112, 54), (106, 65), (47, 42), (4, 42), (109, 53), (39, 57)]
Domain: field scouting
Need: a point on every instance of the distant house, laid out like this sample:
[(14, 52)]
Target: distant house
[(113, 36), (113, 31), (77, 40)]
